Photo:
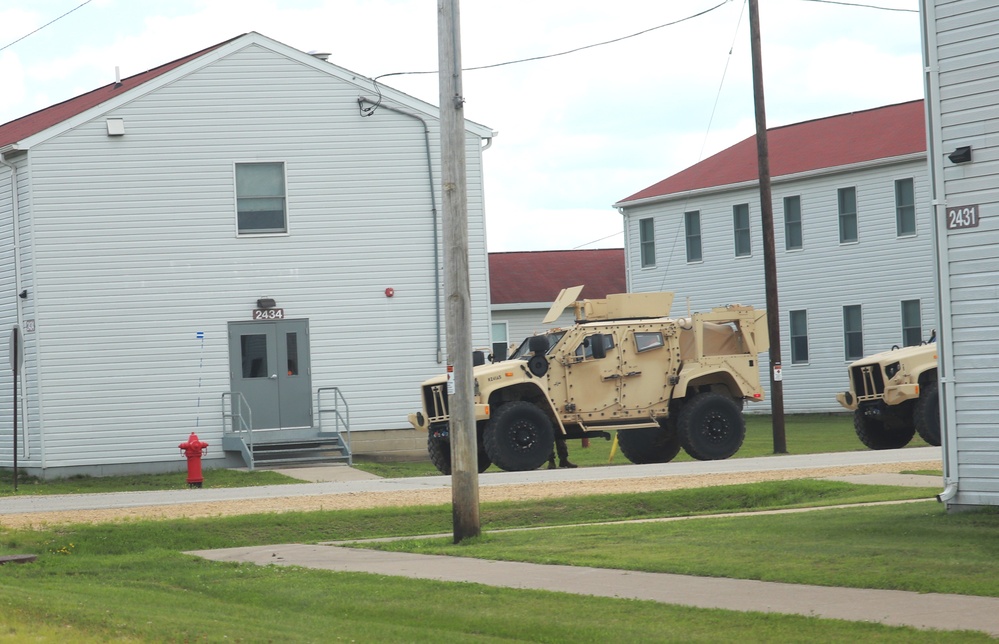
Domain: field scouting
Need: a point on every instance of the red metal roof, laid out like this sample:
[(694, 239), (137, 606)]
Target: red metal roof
[(22, 128), (538, 276), (845, 139)]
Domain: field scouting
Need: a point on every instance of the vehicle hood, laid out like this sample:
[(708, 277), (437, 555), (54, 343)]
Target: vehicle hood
[(893, 355)]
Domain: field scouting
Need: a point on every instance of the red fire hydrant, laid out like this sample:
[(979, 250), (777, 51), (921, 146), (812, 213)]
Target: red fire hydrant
[(193, 449)]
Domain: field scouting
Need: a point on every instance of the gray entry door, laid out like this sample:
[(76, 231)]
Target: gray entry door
[(269, 365)]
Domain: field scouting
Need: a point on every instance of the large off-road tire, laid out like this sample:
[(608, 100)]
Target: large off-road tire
[(711, 427), (519, 437), (926, 415), (440, 455), (650, 444), (878, 434)]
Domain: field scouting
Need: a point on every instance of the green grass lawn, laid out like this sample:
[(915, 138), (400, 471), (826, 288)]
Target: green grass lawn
[(130, 581)]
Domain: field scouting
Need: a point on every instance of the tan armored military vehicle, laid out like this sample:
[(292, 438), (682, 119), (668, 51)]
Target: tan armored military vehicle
[(624, 366), (893, 395)]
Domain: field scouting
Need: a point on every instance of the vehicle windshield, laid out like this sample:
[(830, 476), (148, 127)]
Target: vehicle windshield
[(523, 352)]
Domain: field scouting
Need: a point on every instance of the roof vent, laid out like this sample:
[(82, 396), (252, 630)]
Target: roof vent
[(321, 55)]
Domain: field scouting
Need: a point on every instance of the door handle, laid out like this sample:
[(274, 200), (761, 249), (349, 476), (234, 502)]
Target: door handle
[(274, 377)]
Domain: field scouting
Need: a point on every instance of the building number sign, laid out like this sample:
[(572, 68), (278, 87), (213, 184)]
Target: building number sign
[(268, 314), (963, 217)]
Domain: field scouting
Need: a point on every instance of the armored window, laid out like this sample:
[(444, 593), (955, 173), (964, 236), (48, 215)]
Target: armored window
[(692, 231), (792, 223), (260, 198), (799, 337), (647, 241), (853, 333), (905, 208), (847, 198), (912, 324), (647, 340), (740, 225), (585, 348)]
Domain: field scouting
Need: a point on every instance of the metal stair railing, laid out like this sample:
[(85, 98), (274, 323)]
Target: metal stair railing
[(236, 424), (341, 416)]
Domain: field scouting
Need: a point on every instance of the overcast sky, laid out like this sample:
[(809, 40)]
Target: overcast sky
[(577, 132)]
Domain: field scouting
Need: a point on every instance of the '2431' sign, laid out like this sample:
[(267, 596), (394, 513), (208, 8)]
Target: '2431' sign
[(963, 217)]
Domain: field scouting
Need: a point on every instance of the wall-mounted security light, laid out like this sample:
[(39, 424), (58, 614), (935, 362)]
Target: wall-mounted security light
[(116, 127), (266, 303), (960, 155)]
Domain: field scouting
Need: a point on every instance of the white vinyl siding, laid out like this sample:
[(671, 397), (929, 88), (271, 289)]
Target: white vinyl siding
[(134, 254), (819, 278), (962, 41)]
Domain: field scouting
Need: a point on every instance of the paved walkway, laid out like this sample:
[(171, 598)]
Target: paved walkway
[(891, 607)]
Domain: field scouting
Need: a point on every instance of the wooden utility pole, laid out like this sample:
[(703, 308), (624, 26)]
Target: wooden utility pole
[(458, 310), (769, 253)]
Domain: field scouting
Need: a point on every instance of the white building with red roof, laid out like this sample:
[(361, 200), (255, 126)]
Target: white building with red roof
[(524, 285), (853, 238), (213, 245)]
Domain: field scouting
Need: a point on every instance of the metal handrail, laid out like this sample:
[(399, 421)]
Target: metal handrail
[(236, 404), (338, 417)]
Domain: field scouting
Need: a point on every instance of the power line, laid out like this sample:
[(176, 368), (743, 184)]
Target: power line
[(570, 51), (46, 24), (863, 6)]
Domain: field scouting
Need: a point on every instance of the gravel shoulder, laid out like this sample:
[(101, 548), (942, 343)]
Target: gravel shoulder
[(439, 496)]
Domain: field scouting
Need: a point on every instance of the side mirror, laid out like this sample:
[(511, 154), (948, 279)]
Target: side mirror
[(538, 344), (478, 357), (597, 347)]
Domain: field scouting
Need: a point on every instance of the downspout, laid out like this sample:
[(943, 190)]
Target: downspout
[(15, 232), (934, 147), (433, 201)]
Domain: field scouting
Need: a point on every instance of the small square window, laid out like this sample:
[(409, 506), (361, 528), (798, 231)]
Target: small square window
[(260, 198), (648, 340)]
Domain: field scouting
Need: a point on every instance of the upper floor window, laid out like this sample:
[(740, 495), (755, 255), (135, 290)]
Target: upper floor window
[(692, 231), (647, 241), (792, 223), (912, 323), (799, 337), (260, 198), (847, 215), (905, 208), (740, 224), (853, 332)]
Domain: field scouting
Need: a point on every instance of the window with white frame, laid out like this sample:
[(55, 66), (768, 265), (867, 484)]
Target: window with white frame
[(912, 323), (501, 340), (692, 232), (647, 241), (792, 223), (261, 206), (853, 333), (740, 226), (847, 198), (799, 336), (905, 208)]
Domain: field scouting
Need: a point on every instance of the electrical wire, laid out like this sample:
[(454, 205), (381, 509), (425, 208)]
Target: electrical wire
[(46, 25), (862, 6)]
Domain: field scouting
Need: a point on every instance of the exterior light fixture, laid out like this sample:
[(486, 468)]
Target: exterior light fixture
[(960, 155)]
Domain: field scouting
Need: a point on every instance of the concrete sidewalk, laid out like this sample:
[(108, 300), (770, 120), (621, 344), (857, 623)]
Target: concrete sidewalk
[(890, 607)]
